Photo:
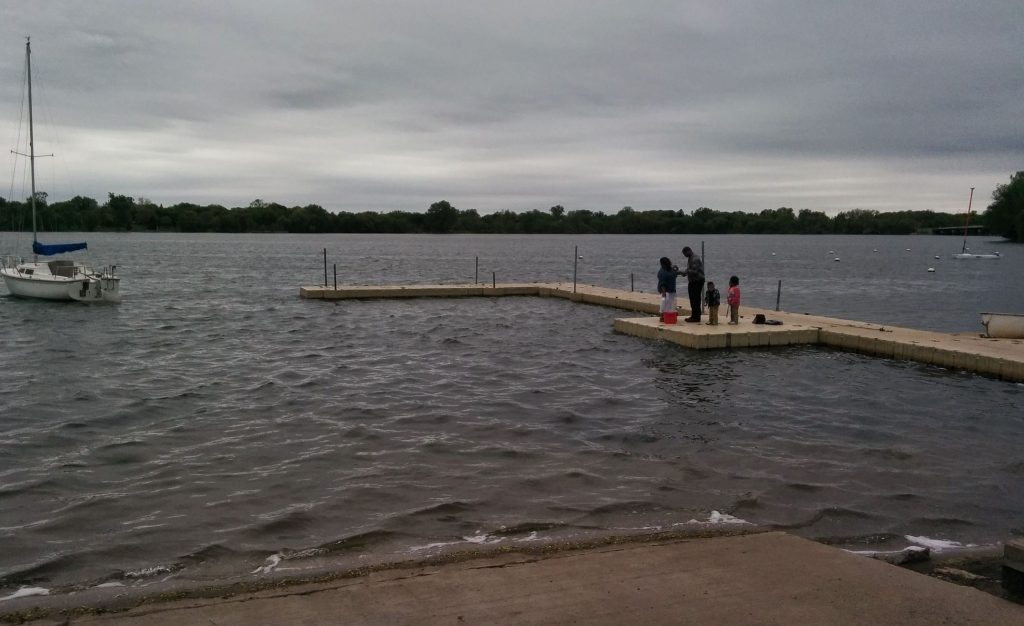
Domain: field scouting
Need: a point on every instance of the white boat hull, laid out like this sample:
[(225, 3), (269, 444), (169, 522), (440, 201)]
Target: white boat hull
[(1003, 325), (50, 288), (47, 287), (968, 255)]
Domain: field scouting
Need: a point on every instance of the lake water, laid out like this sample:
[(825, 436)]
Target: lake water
[(214, 426)]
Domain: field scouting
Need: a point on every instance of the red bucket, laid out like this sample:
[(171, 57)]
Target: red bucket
[(670, 317)]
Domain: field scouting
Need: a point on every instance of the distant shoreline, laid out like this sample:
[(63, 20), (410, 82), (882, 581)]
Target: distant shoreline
[(992, 238), (123, 213)]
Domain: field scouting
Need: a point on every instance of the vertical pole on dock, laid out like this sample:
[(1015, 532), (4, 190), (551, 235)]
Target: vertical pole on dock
[(631, 281), (494, 280), (325, 267), (778, 296), (335, 276), (476, 276), (575, 262)]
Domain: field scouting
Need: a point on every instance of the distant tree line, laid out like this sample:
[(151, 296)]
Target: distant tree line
[(119, 212)]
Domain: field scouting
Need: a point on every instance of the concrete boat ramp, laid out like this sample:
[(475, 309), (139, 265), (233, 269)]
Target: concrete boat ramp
[(763, 578), (998, 358)]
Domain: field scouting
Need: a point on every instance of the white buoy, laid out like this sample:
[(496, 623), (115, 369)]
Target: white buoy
[(931, 269), (836, 259), (773, 254), (936, 256), (875, 250), (831, 251), (908, 249)]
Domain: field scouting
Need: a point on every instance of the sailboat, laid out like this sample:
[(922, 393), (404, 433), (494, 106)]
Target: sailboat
[(964, 254), (61, 279)]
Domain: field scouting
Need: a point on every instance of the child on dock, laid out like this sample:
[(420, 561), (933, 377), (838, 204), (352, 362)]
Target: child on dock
[(734, 300), (713, 300), (667, 286)]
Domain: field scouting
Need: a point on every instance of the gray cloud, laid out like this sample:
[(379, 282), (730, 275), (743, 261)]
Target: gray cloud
[(598, 104)]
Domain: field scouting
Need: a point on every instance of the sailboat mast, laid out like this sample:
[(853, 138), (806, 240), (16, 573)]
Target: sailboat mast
[(967, 222), (31, 137)]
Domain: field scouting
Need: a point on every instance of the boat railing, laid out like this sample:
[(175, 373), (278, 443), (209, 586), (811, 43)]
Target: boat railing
[(10, 261)]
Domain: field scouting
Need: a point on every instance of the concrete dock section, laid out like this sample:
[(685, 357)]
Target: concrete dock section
[(998, 358), (373, 292), (766, 578), (704, 337)]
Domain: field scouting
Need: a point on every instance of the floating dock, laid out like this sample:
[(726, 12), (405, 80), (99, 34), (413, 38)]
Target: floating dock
[(998, 358)]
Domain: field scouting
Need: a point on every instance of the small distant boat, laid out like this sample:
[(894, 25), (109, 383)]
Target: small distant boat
[(964, 254), (968, 255), (1003, 325)]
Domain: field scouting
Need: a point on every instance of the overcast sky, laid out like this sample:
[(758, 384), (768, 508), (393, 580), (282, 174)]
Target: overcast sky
[(380, 105)]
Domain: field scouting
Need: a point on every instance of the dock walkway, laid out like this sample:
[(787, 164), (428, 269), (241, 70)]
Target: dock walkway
[(998, 358)]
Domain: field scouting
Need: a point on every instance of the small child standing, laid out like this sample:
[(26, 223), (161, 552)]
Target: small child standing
[(667, 286), (712, 299), (734, 300)]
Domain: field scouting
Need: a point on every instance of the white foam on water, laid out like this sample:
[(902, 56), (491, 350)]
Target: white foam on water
[(531, 537), (112, 583), (477, 538), (148, 571), (646, 528), (483, 538), (431, 546), (272, 561), (306, 553), (725, 518), (909, 549), (25, 592), (938, 545), (717, 518)]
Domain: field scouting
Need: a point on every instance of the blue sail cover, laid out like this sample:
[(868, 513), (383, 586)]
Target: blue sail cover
[(56, 248)]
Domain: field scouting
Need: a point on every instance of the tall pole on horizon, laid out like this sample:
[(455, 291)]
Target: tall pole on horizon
[(967, 223)]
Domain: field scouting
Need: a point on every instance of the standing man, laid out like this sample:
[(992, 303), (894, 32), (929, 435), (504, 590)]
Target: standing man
[(695, 282)]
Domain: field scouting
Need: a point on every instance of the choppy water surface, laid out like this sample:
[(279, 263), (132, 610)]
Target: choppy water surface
[(215, 426)]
